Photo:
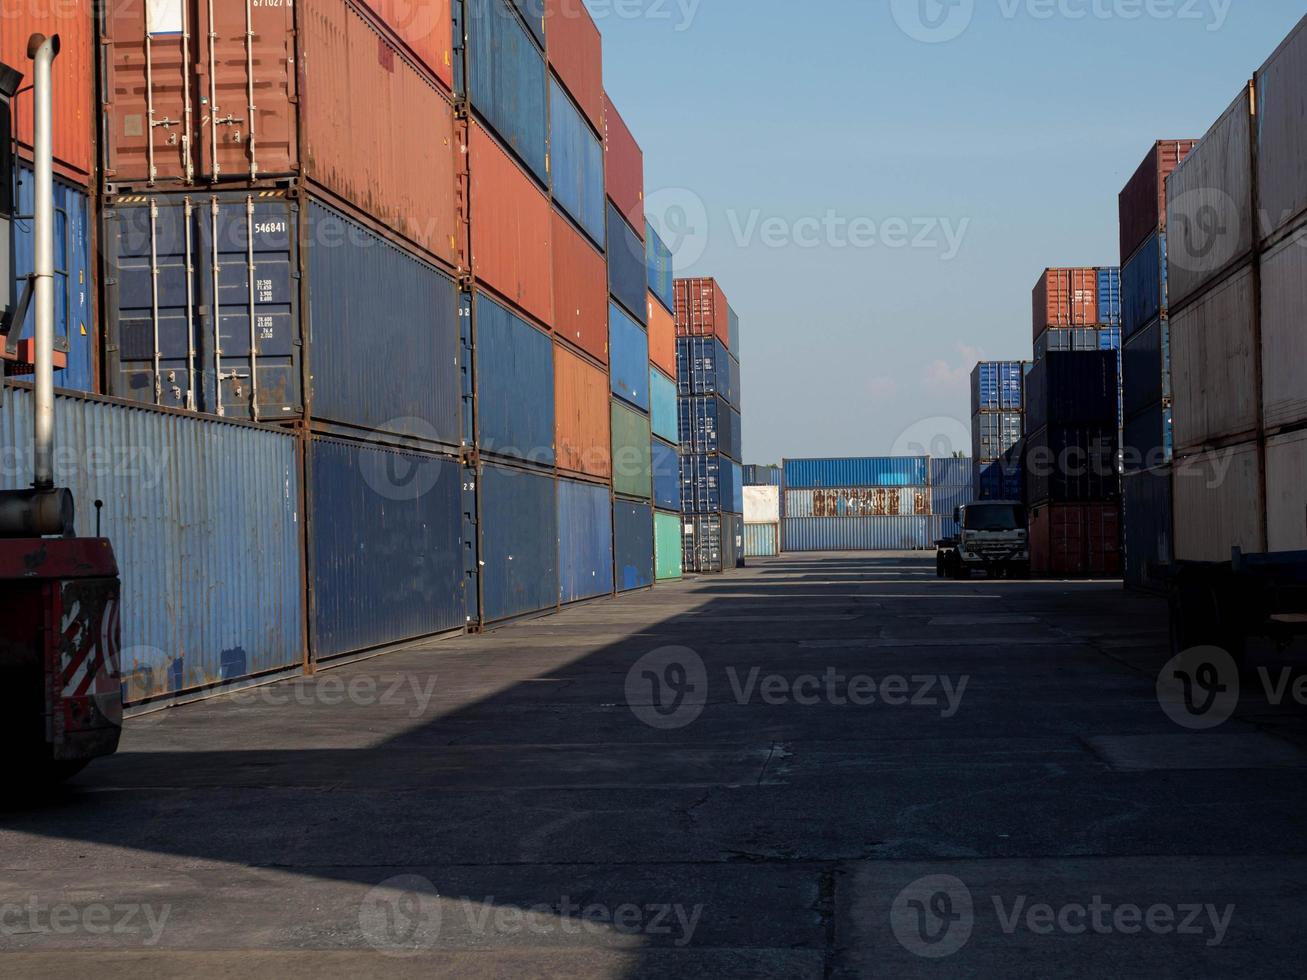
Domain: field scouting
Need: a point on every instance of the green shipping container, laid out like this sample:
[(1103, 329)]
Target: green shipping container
[(662, 396), (667, 546), (632, 462)]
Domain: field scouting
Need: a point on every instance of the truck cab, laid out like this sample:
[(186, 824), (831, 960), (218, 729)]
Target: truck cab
[(993, 536)]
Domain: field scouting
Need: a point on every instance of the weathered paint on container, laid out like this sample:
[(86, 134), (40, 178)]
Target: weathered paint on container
[(576, 164), (515, 385), (663, 406), (385, 546), (951, 472), (576, 54), (1286, 492), (626, 270), (1065, 298), (703, 367), (1284, 339), (633, 545), (519, 543), (1073, 463), (512, 224), (205, 525), (1214, 364), (1282, 133), (628, 352), (580, 285), (762, 504), (1219, 504), (667, 547), (1109, 296), (876, 471), (763, 476), (1146, 368), (581, 410), (666, 465), (1143, 285), (1141, 206), (1214, 181), (711, 483), (708, 424), (74, 285), (632, 465), (1067, 388), (662, 338), (506, 81), (859, 502), (761, 540), (426, 28), (585, 541), (658, 262), (1147, 524), (857, 534), (623, 168), (1076, 540), (702, 309), (998, 386)]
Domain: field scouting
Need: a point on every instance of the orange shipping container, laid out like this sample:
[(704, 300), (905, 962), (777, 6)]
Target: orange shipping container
[(576, 54), (580, 291), (623, 168), (73, 78), (1066, 298), (581, 415), (662, 338), (512, 225), (702, 310)]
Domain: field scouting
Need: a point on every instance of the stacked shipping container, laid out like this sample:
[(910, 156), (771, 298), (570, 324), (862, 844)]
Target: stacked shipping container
[(870, 504), (997, 425), (664, 412)]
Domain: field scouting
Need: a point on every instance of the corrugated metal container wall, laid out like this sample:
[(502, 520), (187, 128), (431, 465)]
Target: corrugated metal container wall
[(1215, 180), (998, 386), (702, 309), (703, 367), (1073, 463), (1076, 339), (1284, 341), (426, 28), (1065, 298), (576, 162), (857, 534), (994, 433), (1143, 285), (581, 399), (632, 465), (733, 366), (762, 504), (633, 547), (999, 481), (658, 262), (1214, 364), (1286, 492), (628, 347), (1149, 535), (1141, 206), (506, 81), (1148, 438), (580, 286), (409, 579), (662, 412), (662, 338), (666, 465), (585, 541), (384, 348), (1076, 540), (733, 331), (624, 168), (1146, 367), (73, 286), (709, 425), (667, 547), (1065, 388), (945, 499), (72, 78), (512, 223), (710, 483), (1282, 132), (515, 385), (1109, 296), (626, 269), (533, 12), (763, 476), (1219, 504), (712, 544), (854, 503), (953, 472), (205, 525), (519, 543), (761, 540), (576, 54), (883, 471), (942, 527)]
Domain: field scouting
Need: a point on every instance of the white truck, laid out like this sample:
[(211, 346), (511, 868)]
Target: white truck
[(993, 536)]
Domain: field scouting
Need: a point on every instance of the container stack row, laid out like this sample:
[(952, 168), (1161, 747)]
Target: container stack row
[(998, 424), (862, 504)]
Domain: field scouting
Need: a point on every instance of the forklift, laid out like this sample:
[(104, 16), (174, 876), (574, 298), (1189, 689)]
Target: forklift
[(60, 683)]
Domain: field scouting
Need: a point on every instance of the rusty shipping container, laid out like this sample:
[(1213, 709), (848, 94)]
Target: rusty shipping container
[(576, 56), (1065, 298), (581, 407), (623, 168), (72, 81), (192, 102), (702, 310), (580, 281), (1141, 206), (662, 338), (512, 229), (858, 502)]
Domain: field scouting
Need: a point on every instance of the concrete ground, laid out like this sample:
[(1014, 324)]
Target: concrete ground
[(826, 766)]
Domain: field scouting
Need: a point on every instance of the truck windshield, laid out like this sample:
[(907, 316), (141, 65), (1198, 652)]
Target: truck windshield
[(994, 517)]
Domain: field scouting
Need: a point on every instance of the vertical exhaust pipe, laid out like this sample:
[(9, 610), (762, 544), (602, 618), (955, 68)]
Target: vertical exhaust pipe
[(42, 51)]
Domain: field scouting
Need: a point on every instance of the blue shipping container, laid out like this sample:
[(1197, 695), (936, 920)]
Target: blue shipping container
[(712, 543), (884, 471), (1143, 285), (585, 541), (576, 164), (1109, 297), (1000, 481), (952, 472), (663, 413), (666, 476), (1146, 367), (633, 545), (627, 274), (385, 546), (762, 476), (506, 81), (515, 385), (519, 543), (998, 386), (709, 425), (628, 358), (659, 271), (944, 499), (533, 12), (73, 325), (703, 367), (1148, 438), (711, 484), (762, 540), (1148, 525), (857, 534)]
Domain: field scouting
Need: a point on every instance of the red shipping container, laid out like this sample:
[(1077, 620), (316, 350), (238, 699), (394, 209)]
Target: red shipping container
[(1066, 298), (72, 79), (623, 168), (512, 227), (662, 338), (576, 54), (426, 28), (702, 310), (1076, 540), (580, 291), (1142, 203)]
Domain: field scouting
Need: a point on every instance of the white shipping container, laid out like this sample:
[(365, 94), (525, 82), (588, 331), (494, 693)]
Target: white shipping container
[(1219, 504), (762, 505), (1209, 204), (1286, 492), (1214, 365), (1282, 133), (1284, 332)]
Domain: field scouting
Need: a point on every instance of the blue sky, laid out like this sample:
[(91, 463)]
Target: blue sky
[(878, 207)]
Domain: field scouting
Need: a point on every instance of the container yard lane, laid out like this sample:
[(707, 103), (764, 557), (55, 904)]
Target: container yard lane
[(826, 766)]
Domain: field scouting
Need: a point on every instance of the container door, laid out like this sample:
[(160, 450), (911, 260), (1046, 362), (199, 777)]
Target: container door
[(471, 546)]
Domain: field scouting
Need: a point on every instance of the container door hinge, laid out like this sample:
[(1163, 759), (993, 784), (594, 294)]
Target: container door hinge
[(462, 108)]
